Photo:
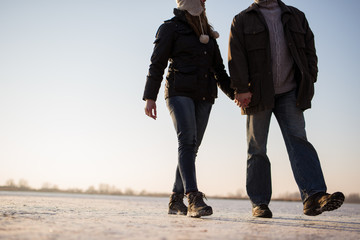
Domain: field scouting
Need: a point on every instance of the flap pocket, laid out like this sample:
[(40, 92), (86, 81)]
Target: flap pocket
[(296, 29), (298, 35), (254, 30), (185, 79), (255, 37)]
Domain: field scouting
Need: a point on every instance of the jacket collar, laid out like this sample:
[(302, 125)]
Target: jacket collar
[(180, 15)]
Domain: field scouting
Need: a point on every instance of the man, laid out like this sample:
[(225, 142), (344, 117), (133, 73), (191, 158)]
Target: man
[(273, 68)]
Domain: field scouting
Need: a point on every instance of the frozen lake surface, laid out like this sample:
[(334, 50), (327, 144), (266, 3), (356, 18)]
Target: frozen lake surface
[(38, 216)]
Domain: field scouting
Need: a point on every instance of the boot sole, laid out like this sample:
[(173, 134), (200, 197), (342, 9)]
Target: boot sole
[(201, 213), (336, 200), (175, 212), (264, 215)]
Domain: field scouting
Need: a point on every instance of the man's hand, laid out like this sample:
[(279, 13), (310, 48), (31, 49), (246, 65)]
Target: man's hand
[(150, 108), (243, 99)]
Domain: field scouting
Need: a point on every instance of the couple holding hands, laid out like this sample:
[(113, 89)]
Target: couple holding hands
[(273, 67)]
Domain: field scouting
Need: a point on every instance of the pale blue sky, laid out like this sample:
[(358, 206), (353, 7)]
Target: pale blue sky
[(72, 74)]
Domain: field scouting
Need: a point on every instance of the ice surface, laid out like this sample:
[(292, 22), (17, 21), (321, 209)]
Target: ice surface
[(39, 216)]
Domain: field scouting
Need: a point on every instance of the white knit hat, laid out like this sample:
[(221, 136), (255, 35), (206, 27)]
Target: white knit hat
[(195, 8), (192, 6)]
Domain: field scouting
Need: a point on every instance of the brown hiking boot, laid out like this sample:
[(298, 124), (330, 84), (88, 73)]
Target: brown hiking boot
[(176, 204), (321, 202), (197, 207), (262, 211)]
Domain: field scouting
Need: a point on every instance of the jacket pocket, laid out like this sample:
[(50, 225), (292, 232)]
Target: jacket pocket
[(298, 36), (255, 37), (185, 79)]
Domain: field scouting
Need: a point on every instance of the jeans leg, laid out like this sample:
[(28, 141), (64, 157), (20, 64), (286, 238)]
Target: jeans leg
[(183, 113), (303, 157), (178, 184), (202, 112), (258, 178)]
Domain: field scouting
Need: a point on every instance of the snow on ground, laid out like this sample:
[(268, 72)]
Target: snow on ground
[(43, 216)]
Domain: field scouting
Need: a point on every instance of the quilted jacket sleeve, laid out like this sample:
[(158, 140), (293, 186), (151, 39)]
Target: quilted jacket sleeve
[(159, 60)]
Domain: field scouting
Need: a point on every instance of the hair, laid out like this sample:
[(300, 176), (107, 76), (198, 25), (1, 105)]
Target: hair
[(194, 22)]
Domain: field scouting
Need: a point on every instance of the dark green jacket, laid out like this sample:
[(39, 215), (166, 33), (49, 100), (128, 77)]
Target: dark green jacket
[(195, 68), (250, 62)]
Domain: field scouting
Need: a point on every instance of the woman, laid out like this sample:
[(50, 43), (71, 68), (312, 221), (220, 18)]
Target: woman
[(188, 42)]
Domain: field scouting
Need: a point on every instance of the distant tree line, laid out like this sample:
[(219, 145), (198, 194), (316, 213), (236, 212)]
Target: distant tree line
[(107, 189)]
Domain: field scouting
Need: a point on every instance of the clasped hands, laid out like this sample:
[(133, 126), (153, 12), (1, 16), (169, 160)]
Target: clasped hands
[(243, 100)]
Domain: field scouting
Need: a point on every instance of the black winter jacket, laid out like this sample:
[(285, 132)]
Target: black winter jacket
[(195, 68), (250, 62)]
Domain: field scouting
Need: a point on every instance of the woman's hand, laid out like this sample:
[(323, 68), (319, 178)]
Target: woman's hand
[(243, 99), (150, 108)]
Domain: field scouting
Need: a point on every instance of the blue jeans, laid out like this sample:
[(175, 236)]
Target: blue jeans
[(304, 160), (190, 119)]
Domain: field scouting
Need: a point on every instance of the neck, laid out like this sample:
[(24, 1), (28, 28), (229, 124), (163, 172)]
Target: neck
[(267, 3)]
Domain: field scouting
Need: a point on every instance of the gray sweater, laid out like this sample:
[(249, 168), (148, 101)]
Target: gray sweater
[(282, 61)]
